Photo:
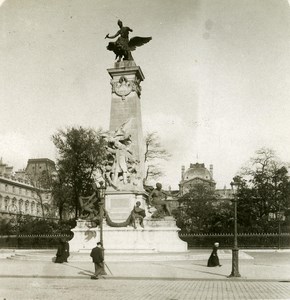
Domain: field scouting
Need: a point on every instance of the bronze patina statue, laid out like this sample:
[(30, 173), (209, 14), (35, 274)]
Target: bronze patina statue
[(122, 47), (156, 199)]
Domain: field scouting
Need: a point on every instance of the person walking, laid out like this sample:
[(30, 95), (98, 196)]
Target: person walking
[(62, 253), (97, 255), (213, 260)]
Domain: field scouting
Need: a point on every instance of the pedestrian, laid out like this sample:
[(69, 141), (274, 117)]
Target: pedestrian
[(97, 255), (62, 253), (213, 260)]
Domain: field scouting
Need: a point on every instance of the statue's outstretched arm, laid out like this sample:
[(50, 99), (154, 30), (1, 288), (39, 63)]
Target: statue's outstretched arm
[(113, 36)]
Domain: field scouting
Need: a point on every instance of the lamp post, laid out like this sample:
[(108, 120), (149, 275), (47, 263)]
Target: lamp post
[(235, 250), (102, 195)]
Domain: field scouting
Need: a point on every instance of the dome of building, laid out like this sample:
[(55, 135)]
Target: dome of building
[(197, 171)]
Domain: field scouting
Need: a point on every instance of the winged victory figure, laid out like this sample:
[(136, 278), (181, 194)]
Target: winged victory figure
[(122, 47)]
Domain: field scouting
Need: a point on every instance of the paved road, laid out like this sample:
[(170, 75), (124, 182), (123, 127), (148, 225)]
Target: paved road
[(267, 276), (112, 289)]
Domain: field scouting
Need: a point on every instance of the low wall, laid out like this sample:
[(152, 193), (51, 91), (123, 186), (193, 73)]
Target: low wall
[(249, 240), (245, 241)]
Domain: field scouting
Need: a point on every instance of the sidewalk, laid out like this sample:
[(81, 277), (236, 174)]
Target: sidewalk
[(39, 264), (25, 278)]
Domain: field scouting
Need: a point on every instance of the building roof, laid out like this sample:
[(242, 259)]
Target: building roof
[(197, 171)]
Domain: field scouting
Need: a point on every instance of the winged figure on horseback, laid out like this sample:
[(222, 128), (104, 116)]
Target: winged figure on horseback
[(123, 47)]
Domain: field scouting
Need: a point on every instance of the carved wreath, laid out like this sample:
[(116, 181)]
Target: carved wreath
[(123, 87)]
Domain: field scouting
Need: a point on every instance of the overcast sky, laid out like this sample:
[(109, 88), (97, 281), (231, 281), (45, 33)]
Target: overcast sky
[(217, 76)]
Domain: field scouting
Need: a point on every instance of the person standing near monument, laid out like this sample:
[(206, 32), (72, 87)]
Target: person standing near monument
[(62, 251), (97, 255), (213, 260), (155, 199)]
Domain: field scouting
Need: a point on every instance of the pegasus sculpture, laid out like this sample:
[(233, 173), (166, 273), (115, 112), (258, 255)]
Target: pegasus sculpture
[(123, 47)]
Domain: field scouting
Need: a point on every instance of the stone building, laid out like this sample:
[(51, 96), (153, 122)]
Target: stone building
[(37, 167), (195, 174), (19, 196)]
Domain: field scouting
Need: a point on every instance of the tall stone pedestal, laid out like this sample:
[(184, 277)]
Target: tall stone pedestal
[(156, 236), (125, 174)]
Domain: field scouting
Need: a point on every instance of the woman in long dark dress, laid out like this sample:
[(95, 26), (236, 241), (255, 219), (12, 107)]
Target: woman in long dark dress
[(62, 253), (213, 260)]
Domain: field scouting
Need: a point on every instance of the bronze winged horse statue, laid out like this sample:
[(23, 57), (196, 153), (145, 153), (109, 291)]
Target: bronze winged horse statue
[(123, 47)]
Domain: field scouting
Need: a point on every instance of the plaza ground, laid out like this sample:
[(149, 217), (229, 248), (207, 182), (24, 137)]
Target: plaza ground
[(33, 275)]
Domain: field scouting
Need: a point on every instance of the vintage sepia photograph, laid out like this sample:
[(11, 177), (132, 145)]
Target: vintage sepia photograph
[(145, 149)]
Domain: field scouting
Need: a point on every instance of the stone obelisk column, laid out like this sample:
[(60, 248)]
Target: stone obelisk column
[(126, 117)]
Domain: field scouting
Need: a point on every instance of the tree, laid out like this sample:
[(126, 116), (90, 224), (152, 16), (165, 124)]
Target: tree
[(199, 210), (154, 152), (62, 193), (263, 193), (42, 185), (81, 154)]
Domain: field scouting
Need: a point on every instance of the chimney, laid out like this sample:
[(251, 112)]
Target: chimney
[(182, 172), (211, 170)]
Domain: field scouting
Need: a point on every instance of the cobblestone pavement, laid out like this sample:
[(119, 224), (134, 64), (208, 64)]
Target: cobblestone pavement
[(265, 276), (130, 289)]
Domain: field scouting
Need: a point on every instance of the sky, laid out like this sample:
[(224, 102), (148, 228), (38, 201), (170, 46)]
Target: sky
[(216, 88)]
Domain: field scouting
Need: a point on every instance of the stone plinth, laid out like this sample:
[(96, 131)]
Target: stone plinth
[(119, 204), (156, 236)]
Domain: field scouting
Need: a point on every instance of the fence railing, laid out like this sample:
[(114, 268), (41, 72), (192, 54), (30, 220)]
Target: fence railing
[(245, 240), (39, 241)]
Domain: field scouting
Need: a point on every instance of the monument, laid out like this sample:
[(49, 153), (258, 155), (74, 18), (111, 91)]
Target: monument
[(128, 225)]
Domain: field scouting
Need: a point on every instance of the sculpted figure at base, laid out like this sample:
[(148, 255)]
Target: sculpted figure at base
[(121, 167), (122, 47), (138, 214), (156, 199), (91, 206)]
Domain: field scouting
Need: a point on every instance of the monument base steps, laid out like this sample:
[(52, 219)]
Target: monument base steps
[(156, 236)]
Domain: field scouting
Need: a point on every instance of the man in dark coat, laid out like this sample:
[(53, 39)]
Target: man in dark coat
[(97, 255), (62, 251)]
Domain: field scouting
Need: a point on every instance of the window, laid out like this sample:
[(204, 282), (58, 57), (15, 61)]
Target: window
[(26, 206), (21, 205), (6, 187), (38, 209), (6, 203), (32, 207)]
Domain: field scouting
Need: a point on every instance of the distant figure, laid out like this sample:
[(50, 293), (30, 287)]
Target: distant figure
[(155, 199), (213, 260), (97, 255), (62, 253), (122, 47), (138, 213)]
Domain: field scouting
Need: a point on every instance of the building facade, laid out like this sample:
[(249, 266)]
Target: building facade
[(19, 196)]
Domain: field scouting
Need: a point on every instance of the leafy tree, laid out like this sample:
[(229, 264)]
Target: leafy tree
[(62, 194), (263, 193), (198, 210), (154, 153), (81, 153)]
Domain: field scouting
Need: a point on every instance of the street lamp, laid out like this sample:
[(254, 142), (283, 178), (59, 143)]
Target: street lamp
[(235, 250), (102, 194)]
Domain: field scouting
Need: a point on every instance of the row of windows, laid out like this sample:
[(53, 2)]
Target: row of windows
[(17, 206), (16, 190)]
